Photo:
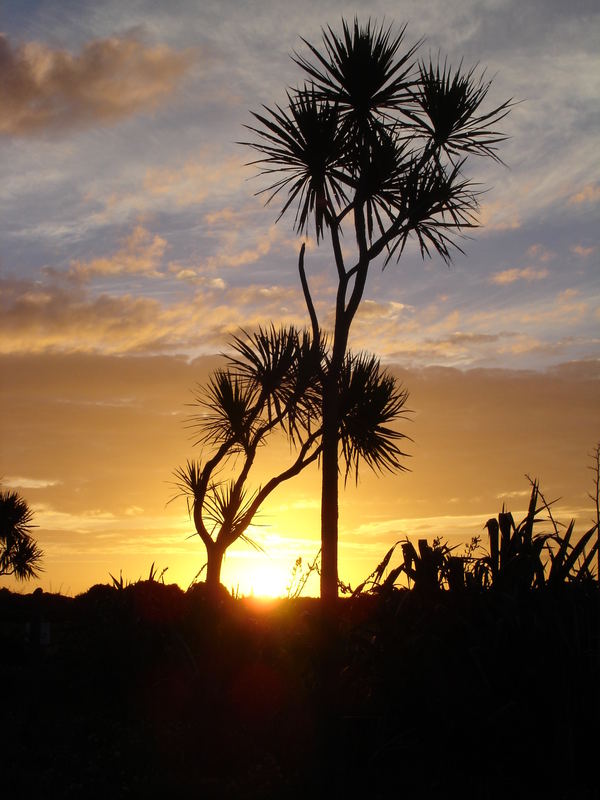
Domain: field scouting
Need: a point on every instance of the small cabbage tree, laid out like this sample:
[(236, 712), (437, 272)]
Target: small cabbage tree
[(272, 382)]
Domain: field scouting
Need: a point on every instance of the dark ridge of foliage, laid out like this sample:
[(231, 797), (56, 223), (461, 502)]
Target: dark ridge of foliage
[(149, 691)]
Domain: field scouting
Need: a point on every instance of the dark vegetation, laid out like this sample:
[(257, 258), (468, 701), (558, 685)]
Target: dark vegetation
[(478, 681)]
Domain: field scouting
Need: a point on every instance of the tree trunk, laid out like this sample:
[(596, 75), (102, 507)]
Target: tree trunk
[(329, 493), (213, 569)]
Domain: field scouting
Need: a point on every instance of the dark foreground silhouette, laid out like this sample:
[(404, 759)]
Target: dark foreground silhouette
[(148, 691)]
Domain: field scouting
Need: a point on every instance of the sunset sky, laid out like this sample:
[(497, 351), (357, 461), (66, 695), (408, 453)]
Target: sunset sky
[(132, 244)]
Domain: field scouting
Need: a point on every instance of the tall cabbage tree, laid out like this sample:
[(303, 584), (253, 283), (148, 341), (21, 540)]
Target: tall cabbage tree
[(375, 142)]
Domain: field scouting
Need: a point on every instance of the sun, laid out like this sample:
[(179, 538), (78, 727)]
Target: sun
[(268, 580)]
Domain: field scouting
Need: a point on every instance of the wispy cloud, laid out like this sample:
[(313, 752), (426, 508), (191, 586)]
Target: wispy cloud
[(51, 89), (528, 274), (193, 181), (18, 482), (66, 314)]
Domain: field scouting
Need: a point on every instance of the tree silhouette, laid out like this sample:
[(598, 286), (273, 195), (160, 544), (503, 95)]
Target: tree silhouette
[(377, 141), (273, 381), (19, 554)]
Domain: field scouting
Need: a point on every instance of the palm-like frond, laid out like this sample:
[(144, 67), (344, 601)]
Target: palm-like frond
[(435, 204), (378, 177), (448, 105), (362, 71), (188, 480), (265, 359), (230, 407), (25, 559), (370, 401), (284, 364), (303, 144), (225, 508), (306, 380), (19, 554), (16, 517)]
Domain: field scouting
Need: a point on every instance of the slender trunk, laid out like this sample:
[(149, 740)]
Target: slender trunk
[(213, 568), (329, 493)]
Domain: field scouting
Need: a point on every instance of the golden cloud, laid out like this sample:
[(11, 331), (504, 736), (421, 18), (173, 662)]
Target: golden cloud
[(582, 251), (499, 216), (195, 180), (141, 253), (525, 274), (64, 315), (589, 194), (50, 89), (540, 253)]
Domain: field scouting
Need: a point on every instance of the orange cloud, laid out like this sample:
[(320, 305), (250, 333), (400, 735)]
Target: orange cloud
[(499, 216), (62, 315), (584, 252), (195, 180), (540, 253), (141, 253), (45, 89), (589, 194), (511, 275)]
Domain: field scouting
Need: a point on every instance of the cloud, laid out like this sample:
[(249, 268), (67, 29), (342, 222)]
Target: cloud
[(110, 79), (582, 251), (195, 180), (528, 274), (499, 216), (540, 253), (141, 253), (67, 315), (589, 194), (18, 482)]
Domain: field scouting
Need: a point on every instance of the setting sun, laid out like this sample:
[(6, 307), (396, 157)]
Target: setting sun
[(268, 580)]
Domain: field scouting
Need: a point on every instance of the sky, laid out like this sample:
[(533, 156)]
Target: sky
[(133, 244)]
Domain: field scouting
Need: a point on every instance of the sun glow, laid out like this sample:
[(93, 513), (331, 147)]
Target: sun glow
[(268, 580)]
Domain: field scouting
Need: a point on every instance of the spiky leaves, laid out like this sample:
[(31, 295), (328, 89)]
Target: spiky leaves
[(368, 120), (270, 382), (449, 102), (229, 406), (19, 553), (283, 368), (371, 400), (304, 144), (435, 204), (374, 140), (362, 72)]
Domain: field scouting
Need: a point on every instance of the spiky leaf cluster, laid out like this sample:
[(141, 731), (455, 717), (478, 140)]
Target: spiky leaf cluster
[(19, 553), (371, 401), (269, 381), (274, 380), (369, 128)]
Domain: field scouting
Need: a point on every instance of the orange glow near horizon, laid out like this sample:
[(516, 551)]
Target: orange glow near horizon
[(94, 454)]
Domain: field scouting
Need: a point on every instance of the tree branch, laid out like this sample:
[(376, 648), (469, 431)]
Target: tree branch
[(307, 296)]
